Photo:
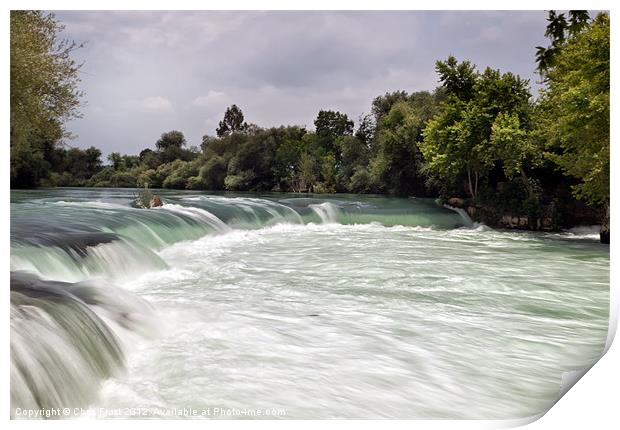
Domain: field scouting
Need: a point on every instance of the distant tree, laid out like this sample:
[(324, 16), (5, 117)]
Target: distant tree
[(381, 105), (171, 139), (116, 159), (170, 146), (307, 172), (366, 129), (213, 172), (333, 124), (233, 122), (354, 153), (329, 126), (397, 163), (149, 158)]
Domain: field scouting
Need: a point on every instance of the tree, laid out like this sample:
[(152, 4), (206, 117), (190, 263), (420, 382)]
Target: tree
[(381, 105), (366, 130), (458, 79), (397, 162), (171, 139), (482, 122), (116, 159), (233, 122), (575, 115), (307, 172), (354, 154), (558, 30), (44, 93), (170, 146), (329, 126), (332, 124)]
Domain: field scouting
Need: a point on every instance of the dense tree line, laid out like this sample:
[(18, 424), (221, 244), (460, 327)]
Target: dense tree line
[(480, 135)]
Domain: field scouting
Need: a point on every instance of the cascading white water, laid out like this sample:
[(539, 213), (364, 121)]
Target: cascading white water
[(61, 346), (386, 309), (467, 221), (327, 212)]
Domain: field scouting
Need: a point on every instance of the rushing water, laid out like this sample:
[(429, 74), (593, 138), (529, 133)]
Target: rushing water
[(329, 307)]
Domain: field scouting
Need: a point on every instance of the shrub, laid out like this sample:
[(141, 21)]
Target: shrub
[(240, 181), (194, 183), (361, 181)]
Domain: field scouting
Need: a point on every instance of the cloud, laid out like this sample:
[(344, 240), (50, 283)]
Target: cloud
[(213, 98), (157, 104), (279, 67)]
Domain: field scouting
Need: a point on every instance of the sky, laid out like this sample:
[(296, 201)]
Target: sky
[(148, 72)]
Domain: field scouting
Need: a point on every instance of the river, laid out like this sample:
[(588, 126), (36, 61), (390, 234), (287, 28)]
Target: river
[(340, 306)]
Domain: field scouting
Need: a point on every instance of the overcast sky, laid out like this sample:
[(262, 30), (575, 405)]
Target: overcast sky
[(149, 72)]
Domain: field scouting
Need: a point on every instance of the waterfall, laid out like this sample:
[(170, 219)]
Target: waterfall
[(467, 221), (61, 346), (327, 212)]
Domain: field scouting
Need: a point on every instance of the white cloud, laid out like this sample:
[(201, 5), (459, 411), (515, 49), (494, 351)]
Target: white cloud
[(213, 98), (155, 104)]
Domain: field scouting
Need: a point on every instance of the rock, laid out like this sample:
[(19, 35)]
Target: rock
[(156, 202), (605, 236), (605, 230), (471, 211), (456, 202), (547, 224), (506, 220)]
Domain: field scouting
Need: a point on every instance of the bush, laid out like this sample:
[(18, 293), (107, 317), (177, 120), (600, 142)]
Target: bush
[(323, 188), (148, 178), (361, 181), (240, 181), (123, 180), (194, 183), (175, 181), (213, 173)]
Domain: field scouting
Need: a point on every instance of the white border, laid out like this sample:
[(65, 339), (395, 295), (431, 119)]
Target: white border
[(592, 402)]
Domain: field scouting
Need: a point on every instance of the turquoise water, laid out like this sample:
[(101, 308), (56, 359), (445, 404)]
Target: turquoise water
[(345, 306)]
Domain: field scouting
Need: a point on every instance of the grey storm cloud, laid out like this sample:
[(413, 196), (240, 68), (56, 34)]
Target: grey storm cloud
[(146, 72)]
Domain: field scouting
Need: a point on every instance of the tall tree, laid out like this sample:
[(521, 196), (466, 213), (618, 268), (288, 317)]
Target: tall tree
[(331, 125), (44, 92), (575, 106), (233, 122), (170, 146), (482, 122), (171, 139), (397, 162)]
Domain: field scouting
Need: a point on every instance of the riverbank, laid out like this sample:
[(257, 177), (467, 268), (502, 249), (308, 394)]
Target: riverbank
[(553, 217)]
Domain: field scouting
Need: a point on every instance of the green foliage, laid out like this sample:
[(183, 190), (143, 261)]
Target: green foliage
[(477, 133), (330, 126), (361, 181), (239, 181), (43, 93), (143, 198), (195, 183), (170, 147), (484, 121), (558, 30), (574, 117), (307, 172), (213, 172), (233, 122), (397, 162)]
